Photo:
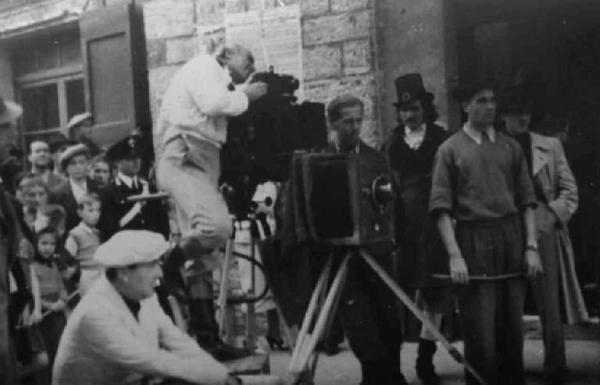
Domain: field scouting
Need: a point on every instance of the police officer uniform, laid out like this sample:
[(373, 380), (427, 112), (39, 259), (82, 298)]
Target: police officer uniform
[(118, 213)]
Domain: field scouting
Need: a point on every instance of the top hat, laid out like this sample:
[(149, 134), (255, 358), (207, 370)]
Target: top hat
[(409, 88), (9, 111), (128, 148)]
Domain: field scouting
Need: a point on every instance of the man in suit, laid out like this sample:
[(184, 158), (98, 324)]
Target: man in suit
[(117, 212), (10, 236), (74, 162), (40, 159), (367, 308), (411, 151), (118, 333), (556, 195)]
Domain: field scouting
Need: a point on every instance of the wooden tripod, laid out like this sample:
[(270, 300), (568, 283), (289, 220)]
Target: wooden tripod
[(307, 341)]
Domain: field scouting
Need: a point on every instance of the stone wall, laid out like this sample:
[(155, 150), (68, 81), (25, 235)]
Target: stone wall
[(337, 40)]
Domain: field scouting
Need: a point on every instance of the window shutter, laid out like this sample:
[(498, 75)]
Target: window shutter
[(116, 80)]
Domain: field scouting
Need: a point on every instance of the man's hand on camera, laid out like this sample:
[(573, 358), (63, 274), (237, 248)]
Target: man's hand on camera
[(255, 90)]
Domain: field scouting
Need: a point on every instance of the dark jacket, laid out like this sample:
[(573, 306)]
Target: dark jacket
[(416, 234), (153, 215), (63, 195)]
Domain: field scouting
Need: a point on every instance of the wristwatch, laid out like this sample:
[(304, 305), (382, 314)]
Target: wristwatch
[(532, 247)]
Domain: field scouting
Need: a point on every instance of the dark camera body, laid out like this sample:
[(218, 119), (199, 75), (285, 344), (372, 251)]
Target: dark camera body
[(261, 141)]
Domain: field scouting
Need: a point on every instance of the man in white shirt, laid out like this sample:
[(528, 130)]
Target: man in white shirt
[(193, 125), (119, 334)]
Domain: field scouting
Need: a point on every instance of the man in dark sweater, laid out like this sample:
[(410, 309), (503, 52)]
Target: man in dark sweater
[(481, 196)]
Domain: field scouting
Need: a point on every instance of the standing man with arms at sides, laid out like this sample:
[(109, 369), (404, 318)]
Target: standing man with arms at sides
[(367, 308), (10, 236), (556, 195), (411, 151), (118, 333), (193, 118), (480, 180), (40, 159)]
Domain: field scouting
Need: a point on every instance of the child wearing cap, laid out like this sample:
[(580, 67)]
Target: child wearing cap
[(49, 293), (84, 239)]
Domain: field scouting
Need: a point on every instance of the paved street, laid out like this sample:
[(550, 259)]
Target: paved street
[(583, 360)]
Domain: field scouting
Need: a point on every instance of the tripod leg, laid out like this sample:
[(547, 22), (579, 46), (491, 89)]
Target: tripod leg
[(310, 312), (224, 285), (454, 353), (327, 311)]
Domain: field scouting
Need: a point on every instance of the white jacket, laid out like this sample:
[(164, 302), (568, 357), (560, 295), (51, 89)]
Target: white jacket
[(103, 343)]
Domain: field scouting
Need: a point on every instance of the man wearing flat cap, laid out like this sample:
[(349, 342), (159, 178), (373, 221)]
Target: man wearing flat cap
[(117, 212), (411, 150), (118, 333), (483, 201), (74, 162), (79, 129)]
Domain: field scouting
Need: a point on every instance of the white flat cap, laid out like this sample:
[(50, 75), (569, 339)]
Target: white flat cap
[(131, 247), (72, 151), (74, 121), (9, 111)]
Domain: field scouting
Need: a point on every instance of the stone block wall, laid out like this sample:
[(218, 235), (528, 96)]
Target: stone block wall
[(337, 40)]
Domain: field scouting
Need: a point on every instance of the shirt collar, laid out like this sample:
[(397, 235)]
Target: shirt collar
[(476, 134), (126, 179), (414, 138), (88, 229)]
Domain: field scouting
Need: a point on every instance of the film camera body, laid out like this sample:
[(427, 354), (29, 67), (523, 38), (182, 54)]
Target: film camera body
[(260, 142), (338, 199)]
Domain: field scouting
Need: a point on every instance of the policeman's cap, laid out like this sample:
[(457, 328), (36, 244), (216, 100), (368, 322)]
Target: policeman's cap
[(128, 148)]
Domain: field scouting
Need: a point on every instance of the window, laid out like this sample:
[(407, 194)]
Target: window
[(49, 80)]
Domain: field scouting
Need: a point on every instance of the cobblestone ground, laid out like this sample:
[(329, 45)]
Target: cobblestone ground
[(342, 369)]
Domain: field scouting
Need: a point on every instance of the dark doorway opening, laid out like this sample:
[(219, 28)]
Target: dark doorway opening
[(555, 47)]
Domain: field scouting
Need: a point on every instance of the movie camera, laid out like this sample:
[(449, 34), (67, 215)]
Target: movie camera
[(261, 141)]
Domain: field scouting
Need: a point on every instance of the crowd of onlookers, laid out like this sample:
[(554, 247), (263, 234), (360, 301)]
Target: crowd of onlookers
[(67, 203)]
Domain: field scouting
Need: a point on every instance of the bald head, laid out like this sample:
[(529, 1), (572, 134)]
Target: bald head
[(238, 60)]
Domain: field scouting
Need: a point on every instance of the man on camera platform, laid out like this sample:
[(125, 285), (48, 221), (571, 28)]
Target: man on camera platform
[(194, 113), (367, 308)]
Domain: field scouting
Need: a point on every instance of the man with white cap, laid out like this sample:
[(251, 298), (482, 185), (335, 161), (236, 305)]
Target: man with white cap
[(79, 129), (119, 334)]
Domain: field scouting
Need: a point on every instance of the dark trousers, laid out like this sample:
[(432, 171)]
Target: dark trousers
[(491, 313), (51, 328), (203, 323), (370, 318), (546, 291)]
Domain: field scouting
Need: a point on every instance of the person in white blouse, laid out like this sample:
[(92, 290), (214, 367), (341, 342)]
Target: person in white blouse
[(193, 124)]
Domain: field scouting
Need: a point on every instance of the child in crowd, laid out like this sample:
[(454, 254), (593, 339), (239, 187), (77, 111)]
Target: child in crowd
[(83, 240), (100, 171), (34, 196), (49, 293)]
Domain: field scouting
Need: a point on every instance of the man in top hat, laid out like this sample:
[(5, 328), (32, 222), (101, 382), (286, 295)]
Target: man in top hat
[(118, 213), (74, 162), (556, 196), (79, 129), (411, 151), (118, 332), (481, 196)]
